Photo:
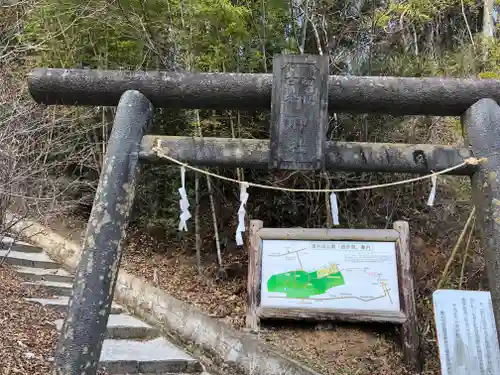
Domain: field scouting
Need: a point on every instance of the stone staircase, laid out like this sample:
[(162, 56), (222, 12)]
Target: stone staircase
[(130, 347)]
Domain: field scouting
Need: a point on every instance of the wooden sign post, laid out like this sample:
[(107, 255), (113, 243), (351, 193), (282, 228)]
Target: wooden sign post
[(333, 274)]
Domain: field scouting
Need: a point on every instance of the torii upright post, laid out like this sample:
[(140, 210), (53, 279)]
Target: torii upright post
[(481, 123)]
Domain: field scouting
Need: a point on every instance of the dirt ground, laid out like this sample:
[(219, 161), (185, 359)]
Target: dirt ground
[(330, 348), (28, 338), (327, 348)]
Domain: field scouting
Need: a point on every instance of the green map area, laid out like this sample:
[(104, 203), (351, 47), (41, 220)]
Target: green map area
[(302, 284)]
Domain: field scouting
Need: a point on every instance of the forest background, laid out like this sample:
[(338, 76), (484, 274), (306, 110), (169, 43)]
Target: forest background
[(51, 157)]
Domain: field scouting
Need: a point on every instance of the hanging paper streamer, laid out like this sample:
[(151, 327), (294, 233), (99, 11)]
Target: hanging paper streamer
[(432, 195), (241, 213), (183, 202), (335, 209)]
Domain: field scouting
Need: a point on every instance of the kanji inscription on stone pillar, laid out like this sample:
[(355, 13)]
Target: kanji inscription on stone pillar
[(299, 111)]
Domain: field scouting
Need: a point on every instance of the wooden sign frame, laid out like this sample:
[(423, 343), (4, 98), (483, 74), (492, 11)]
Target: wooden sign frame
[(407, 316)]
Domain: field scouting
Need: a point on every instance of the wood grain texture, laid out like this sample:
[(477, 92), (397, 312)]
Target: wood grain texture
[(254, 246), (327, 314), (409, 330), (323, 234)]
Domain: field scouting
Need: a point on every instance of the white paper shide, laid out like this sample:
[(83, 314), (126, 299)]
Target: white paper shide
[(183, 202), (241, 213)]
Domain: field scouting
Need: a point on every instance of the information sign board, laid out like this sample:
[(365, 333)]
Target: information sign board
[(330, 275), (361, 275), (466, 333)]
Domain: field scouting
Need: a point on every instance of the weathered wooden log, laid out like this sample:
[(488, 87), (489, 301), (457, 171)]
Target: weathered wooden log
[(389, 95), (409, 330), (340, 156), (254, 245)]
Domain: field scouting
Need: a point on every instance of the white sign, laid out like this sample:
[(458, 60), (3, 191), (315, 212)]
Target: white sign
[(466, 333), (330, 275)]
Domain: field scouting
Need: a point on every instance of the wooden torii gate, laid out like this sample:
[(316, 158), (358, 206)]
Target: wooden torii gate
[(297, 142)]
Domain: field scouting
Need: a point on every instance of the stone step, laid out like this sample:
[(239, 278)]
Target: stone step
[(123, 327), (61, 304), (23, 259), (52, 287), (131, 347), (156, 356), (39, 274), (20, 246)]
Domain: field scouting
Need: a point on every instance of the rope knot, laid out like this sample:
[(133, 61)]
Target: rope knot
[(475, 161)]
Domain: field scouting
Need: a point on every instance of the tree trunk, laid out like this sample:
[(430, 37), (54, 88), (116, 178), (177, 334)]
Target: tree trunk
[(488, 29), (488, 26)]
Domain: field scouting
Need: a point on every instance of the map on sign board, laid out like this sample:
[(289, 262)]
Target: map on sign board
[(330, 275), (466, 333)]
